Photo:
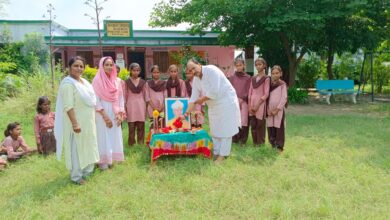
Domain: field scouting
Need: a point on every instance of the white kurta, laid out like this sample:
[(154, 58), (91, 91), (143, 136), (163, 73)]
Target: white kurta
[(223, 106), (110, 141)]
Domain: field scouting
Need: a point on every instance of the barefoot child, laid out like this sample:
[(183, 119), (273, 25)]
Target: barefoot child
[(241, 83), (275, 109), (258, 95), (136, 99), (13, 141), (43, 127)]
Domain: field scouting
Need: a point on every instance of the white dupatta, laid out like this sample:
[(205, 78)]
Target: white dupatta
[(88, 96)]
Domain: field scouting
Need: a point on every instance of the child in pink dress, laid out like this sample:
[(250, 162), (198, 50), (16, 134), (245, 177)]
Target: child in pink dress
[(175, 85), (157, 92), (13, 141), (136, 99), (43, 127), (241, 82), (258, 95), (276, 108)]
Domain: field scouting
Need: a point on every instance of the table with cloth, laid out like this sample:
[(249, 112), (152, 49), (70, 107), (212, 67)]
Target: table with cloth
[(180, 143)]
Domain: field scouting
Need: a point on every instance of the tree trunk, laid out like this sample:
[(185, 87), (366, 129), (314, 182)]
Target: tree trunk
[(293, 61), (329, 63), (292, 72)]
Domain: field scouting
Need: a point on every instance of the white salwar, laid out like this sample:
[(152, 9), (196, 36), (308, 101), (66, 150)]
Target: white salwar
[(76, 173), (110, 141), (223, 107)]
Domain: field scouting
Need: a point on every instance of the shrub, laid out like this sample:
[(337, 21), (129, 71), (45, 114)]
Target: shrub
[(38, 84), (297, 96), (381, 77), (348, 66), (123, 74), (309, 71), (7, 67), (89, 73), (9, 85)]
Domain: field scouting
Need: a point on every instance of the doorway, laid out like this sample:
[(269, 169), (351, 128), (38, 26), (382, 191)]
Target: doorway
[(137, 57)]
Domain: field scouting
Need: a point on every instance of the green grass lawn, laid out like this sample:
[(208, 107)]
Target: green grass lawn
[(334, 166)]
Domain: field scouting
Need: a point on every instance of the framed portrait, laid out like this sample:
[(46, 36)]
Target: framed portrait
[(174, 108)]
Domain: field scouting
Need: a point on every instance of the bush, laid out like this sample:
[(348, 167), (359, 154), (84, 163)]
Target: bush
[(10, 53), (123, 74), (9, 85), (381, 77), (297, 96), (39, 84), (90, 73), (348, 66), (7, 67), (308, 72)]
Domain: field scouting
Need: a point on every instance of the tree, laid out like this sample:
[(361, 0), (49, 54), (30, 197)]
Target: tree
[(10, 53), (295, 25), (97, 7), (5, 35), (181, 57), (246, 23), (51, 16), (34, 50), (352, 25)]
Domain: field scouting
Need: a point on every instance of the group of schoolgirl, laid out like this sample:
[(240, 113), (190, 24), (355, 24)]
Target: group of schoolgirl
[(262, 101)]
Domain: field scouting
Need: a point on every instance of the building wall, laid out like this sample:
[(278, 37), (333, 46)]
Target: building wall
[(19, 29), (222, 57)]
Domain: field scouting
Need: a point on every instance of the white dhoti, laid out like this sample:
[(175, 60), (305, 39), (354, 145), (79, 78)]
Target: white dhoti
[(222, 146)]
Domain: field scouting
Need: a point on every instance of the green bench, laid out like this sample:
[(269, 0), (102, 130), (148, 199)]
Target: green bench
[(326, 88)]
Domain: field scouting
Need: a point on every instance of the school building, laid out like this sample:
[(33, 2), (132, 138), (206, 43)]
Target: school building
[(125, 45)]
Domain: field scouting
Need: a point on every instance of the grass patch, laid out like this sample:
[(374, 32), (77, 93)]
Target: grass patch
[(334, 166)]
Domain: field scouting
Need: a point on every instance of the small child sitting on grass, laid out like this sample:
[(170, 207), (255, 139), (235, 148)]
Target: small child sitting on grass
[(13, 141)]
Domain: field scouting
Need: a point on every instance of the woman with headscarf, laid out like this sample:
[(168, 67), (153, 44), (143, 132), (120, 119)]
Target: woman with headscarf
[(110, 108)]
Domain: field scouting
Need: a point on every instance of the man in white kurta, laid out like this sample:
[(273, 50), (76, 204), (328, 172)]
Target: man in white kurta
[(222, 102)]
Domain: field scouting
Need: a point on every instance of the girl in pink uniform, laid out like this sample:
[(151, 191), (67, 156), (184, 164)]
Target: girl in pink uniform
[(276, 108), (258, 95)]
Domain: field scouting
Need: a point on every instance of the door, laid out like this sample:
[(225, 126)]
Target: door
[(137, 57)]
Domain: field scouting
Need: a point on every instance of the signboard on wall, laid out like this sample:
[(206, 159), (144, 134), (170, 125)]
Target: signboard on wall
[(122, 28), (119, 60)]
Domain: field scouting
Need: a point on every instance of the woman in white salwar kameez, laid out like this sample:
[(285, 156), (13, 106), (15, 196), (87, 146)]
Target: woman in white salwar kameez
[(74, 126), (223, 107), (110, 108)]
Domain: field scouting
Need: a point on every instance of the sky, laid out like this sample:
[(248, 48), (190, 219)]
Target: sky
[(70, 13)]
